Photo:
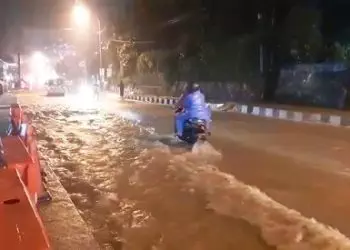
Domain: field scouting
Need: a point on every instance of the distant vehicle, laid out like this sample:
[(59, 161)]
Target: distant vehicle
[(3, 87), (56, 87), (25, 85)]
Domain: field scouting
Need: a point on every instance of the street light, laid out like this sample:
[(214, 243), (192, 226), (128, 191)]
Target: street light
[(39, 59), (81, 17)]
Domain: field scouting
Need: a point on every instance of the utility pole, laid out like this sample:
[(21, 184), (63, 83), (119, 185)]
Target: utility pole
[(19, 38), (269, 65), (19, 70), (100, 70), (19, 49), (261, 46)]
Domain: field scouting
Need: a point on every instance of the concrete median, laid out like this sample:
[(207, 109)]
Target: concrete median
[(280, 113)]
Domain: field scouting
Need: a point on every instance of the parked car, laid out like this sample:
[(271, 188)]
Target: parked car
[(56, 88)]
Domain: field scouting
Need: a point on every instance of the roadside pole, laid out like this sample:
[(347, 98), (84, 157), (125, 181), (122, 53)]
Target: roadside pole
[(19, 70)]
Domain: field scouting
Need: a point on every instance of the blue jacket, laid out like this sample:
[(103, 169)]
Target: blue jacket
[(195, 106)]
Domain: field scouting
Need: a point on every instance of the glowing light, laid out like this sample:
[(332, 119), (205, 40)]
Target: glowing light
[(81, 15), (39, 59), (86, 92), (85, 99), (40, 69)]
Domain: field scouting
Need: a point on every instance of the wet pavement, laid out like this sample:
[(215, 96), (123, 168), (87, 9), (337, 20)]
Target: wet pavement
[(137, 188)]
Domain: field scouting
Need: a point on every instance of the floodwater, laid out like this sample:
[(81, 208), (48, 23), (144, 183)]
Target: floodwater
[(139, 190)]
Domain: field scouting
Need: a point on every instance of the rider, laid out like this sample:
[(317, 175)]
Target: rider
[(193, 104)]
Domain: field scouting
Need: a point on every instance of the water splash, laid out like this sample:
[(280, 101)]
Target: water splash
[(206, 151)]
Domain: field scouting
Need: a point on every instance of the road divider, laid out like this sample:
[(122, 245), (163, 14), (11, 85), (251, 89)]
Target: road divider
[(256, 110)]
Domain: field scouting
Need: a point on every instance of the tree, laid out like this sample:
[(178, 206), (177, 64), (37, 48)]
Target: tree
[(302, 39), (127, 56), (148, 62), (220, 40)]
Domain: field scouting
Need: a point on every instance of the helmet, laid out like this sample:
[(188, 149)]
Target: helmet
[(192, 87)]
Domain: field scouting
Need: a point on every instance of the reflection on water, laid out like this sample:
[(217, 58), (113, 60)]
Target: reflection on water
[(138, 190)]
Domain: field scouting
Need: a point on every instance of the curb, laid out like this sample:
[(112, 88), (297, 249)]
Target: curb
[(153, 99), (295, 116), (64, 225), (254, 110)]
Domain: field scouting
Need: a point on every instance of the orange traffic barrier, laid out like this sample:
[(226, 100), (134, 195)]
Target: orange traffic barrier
[(21, 227), (35, 180), (21, 143)]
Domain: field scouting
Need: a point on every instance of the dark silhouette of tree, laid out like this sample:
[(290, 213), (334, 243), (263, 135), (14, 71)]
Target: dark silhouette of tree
[(220, 40)]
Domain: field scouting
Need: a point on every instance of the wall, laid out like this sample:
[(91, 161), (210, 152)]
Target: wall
[(323, 85), (153, 84)]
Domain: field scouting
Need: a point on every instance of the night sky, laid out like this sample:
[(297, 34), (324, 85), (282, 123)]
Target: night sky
[(46, 13), (232, 16)]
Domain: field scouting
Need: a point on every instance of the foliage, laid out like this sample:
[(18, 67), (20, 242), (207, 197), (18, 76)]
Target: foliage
[(127, 57), (146, 63), (342, 52), (236, 60), (222, 42), (150, 61), (302, 39)]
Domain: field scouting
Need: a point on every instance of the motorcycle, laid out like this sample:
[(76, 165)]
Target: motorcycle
[(195, 129)]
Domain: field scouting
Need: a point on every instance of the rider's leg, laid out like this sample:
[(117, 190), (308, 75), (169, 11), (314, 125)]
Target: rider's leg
[(208, 119), (208, 126), (175, 127), (179, 123)]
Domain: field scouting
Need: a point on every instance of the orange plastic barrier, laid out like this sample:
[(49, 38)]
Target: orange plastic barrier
[(15, 151), (20, 225), (21, 143)]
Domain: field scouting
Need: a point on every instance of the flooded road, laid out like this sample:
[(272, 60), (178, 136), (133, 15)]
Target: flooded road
[(141, 190), (128, 188)]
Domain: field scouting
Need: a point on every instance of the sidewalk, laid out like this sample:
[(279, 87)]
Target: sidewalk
[(276, 111)]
